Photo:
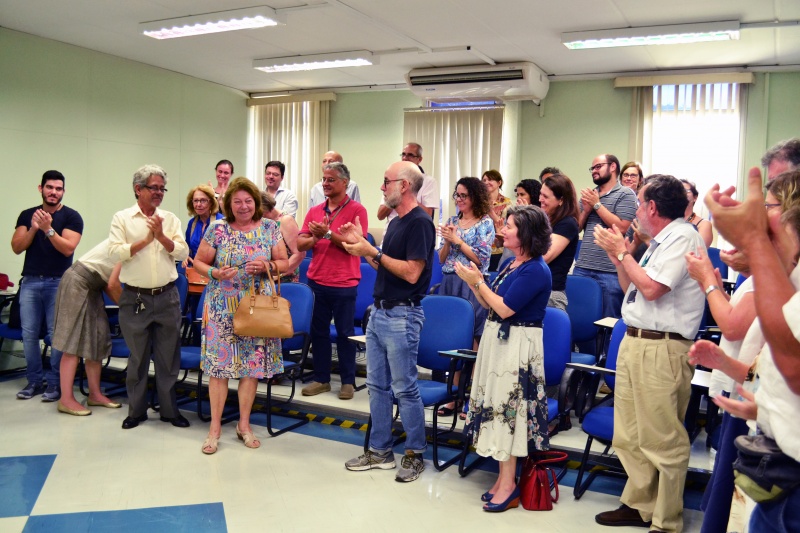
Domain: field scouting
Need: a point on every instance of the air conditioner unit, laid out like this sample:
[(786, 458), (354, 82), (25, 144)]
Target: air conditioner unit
[(510, 81)]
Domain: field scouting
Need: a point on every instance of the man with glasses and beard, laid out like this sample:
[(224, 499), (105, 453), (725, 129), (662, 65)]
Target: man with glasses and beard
[(606, 205), (48, 234), (404, 273)]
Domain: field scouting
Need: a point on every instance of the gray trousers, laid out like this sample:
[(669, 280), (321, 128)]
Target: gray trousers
[(153, 330)]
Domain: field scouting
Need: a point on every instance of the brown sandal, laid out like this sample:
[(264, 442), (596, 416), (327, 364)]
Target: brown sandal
[(248, 438)]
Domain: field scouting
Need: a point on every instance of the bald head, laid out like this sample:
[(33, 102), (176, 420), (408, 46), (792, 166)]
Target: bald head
[(331, 157)]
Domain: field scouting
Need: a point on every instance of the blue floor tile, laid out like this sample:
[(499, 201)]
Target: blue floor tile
[(21, 481), (204, 518)]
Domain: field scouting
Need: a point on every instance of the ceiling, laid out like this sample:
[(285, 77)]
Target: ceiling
[(411, 34)]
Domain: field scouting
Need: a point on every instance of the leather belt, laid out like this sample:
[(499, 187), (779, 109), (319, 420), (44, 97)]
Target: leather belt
[(655, 335), (494, 317), (150, 292), (390, 304)]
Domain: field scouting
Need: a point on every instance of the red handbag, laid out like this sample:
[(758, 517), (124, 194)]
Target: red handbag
[(535, 492)]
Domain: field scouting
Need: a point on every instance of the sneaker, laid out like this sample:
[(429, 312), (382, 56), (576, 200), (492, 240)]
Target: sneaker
[(30, 390), (346, 392), (411, 466), (314, 388), (371, 460), (52, 394)]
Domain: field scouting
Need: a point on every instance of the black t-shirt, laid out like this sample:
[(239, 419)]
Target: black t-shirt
[(41, 257), (567, 227), (407, 238)]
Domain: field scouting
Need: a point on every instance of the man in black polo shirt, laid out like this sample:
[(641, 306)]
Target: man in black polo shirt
[(404, 273), (48, 234)]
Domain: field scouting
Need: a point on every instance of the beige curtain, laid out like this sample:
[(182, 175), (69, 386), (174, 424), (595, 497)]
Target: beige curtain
[(456, 143), (295, 134), (695, 134)]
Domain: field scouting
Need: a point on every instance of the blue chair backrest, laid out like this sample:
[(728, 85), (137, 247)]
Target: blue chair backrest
[(201, 302), (713, 255), (584, 307), (739, 280), (302, 299), (613, 350), (578, 248), (436, 270), (370, 239), (182, 284), (448, 326), (557, 340), (304, 268), (366, 286)]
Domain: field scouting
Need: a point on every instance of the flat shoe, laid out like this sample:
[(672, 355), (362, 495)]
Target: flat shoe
[(210, 445), (446, 411), (110, 405), (248, 438), (75, 412)]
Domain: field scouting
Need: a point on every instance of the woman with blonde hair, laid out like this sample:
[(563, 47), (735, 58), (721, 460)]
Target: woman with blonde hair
[(203, 208)]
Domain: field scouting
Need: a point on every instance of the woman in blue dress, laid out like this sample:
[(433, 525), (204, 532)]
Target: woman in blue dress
[(508, 405)]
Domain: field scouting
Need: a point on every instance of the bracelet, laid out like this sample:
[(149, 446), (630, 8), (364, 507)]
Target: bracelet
[(477, 285), (210, 272), (456, 247), (710, 289)]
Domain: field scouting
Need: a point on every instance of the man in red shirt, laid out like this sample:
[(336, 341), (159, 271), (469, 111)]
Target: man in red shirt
[(333, 275)]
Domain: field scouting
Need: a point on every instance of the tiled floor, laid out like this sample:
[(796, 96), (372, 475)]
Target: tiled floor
[(74, 474)]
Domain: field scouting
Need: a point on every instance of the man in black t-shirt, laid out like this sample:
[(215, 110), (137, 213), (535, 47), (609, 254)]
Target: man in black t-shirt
[(404, 273), (48, 234)]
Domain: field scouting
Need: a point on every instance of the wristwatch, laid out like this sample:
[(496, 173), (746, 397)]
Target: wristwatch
[(710, 289), (377, 258), (327, 235), (50, 232), (597, 206), (621, 255)]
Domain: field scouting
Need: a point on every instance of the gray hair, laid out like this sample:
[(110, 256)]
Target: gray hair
[(418, 148), (788, 150), (413, 175), (340, 169), (141, 176)]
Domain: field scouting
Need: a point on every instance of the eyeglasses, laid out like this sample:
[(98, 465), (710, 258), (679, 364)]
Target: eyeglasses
[(200, 201), (628, 175), (153, 188), (460, 196), (328, 180), (404, 154), (387, 182), (770, 206), (598, 166)]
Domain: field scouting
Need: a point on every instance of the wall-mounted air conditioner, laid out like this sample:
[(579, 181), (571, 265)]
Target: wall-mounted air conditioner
[(510, 81)]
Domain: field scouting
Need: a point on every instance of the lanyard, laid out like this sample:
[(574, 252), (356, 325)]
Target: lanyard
[(338, 210)]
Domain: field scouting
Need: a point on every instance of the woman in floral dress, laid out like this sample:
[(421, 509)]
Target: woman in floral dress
[(508, 405), (234, 252)]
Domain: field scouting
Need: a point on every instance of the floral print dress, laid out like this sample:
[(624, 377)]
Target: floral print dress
[(225, 354)]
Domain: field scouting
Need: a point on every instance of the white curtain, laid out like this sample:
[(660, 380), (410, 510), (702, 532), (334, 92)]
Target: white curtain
[(295, 134), (695, 134), (456, 143)]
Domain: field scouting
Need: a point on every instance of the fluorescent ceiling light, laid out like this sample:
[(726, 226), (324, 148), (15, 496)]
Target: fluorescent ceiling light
[(356, 58), (652, 35), (236, 19)]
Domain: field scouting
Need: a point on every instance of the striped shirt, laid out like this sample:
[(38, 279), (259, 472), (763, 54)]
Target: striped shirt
[(619, 200)]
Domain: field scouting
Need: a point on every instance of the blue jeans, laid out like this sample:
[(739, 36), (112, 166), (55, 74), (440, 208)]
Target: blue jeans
[(612, 292), (392, 344), (340, 304), (37, 302), (782, 516)]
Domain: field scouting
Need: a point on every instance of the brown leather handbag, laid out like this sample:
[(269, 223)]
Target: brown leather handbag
[(261, 315)]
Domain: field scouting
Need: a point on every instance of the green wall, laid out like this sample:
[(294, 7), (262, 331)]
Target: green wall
[(367, 129), (97, 118)]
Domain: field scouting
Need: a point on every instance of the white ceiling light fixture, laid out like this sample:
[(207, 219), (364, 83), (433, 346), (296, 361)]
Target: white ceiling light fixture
[(653, 35), (236, 19), (357, 58)]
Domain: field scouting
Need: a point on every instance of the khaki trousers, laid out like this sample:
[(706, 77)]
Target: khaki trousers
[(653, 385)]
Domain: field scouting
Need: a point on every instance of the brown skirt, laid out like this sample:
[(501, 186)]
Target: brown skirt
[(81, 324)]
